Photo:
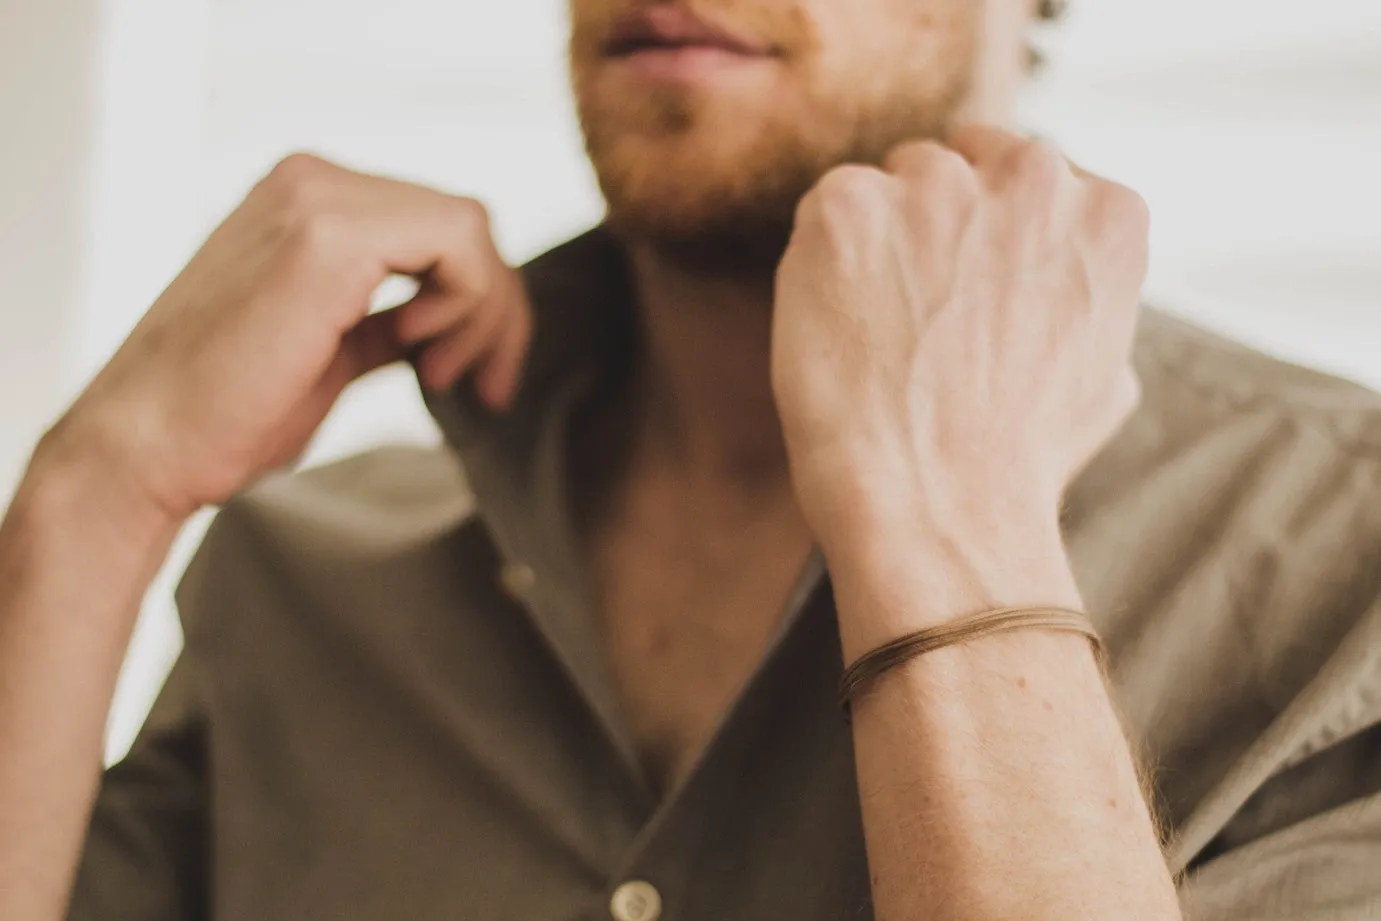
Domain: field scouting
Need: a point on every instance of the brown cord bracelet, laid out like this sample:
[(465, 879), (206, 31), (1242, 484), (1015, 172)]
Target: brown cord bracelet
[(903, 649)]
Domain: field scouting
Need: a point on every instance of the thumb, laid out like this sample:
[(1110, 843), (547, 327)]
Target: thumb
[(371, 344)]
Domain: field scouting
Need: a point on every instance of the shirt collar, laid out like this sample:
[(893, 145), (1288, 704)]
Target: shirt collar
[(514, 461), (583, 312), (584, 330)]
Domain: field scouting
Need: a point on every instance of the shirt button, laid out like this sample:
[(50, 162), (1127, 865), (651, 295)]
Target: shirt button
[(518, 580), (636, 900)]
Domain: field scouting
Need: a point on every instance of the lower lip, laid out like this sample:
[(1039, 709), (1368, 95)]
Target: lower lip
[(688, 64)]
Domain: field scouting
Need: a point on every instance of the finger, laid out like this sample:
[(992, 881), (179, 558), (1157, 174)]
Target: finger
[(1113, 213), (990, 149), (498, 378), (925, 158), (429, 314), (404, 228), (371, 344), (984, 145), (420, 231), (450, 356)]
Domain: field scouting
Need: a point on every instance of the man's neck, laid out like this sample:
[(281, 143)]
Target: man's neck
[(703, 378), (692, 532)]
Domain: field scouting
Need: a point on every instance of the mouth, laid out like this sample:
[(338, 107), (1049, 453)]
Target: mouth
[(672, 30)]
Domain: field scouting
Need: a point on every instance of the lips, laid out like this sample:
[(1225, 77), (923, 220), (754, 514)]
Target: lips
[(671, 28)]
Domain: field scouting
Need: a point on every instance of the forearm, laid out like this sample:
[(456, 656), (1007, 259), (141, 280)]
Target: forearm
[(994, 778), (76, 556)]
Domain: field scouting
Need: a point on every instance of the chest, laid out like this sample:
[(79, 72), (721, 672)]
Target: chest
[(427, 765), (684, 622)]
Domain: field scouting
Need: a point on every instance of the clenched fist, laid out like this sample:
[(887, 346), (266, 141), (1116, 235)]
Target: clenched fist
[(952, 336), (238, 362)]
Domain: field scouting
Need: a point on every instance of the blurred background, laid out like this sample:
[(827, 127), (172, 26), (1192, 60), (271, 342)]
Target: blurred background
[(128, 128)]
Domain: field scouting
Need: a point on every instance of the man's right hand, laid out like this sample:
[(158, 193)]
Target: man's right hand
[(226, 377), (238, 362)]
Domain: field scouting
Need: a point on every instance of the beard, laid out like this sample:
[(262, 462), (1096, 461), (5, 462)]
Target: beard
[(712, 176)]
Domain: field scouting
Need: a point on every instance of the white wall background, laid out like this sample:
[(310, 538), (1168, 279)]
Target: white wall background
[(128, 127)]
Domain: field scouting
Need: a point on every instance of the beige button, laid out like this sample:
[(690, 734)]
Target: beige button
[(518, 580), (636, 900)]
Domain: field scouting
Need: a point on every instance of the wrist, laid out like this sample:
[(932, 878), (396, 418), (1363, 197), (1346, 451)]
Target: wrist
[(72, 483), (901, 573)]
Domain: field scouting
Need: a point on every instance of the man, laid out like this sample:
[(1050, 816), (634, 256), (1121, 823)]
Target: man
[(830, 327)]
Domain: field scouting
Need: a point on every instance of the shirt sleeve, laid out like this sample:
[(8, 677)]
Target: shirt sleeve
[(146, 849), (1306, 846), (1327, 868)]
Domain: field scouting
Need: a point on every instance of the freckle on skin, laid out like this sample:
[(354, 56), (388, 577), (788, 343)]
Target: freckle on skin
[(1112, 803), (1021, 682)]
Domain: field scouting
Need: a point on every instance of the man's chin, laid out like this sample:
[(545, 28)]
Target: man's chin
[(711, 212), (739, 251), (715, 234)]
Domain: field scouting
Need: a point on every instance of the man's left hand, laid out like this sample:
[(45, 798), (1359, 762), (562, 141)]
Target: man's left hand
[(951, 341)]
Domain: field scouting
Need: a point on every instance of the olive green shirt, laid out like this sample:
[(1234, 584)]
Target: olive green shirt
[(392, 704)]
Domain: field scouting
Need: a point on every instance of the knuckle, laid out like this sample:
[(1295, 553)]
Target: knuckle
[(1116, 210), (930, 159), (944, 159), (298, 163), (1038, 164), (301, 204), (941, 172), (472, 217), (849, 190), (296, 178), (849, 181), (1130, 206), (951, 174)]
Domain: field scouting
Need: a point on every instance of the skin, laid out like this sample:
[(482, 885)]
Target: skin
[(994, 778), (721, 162), (224, 379), (905, 360)]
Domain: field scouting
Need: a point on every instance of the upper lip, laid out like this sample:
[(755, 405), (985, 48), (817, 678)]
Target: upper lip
[(675, 27)]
